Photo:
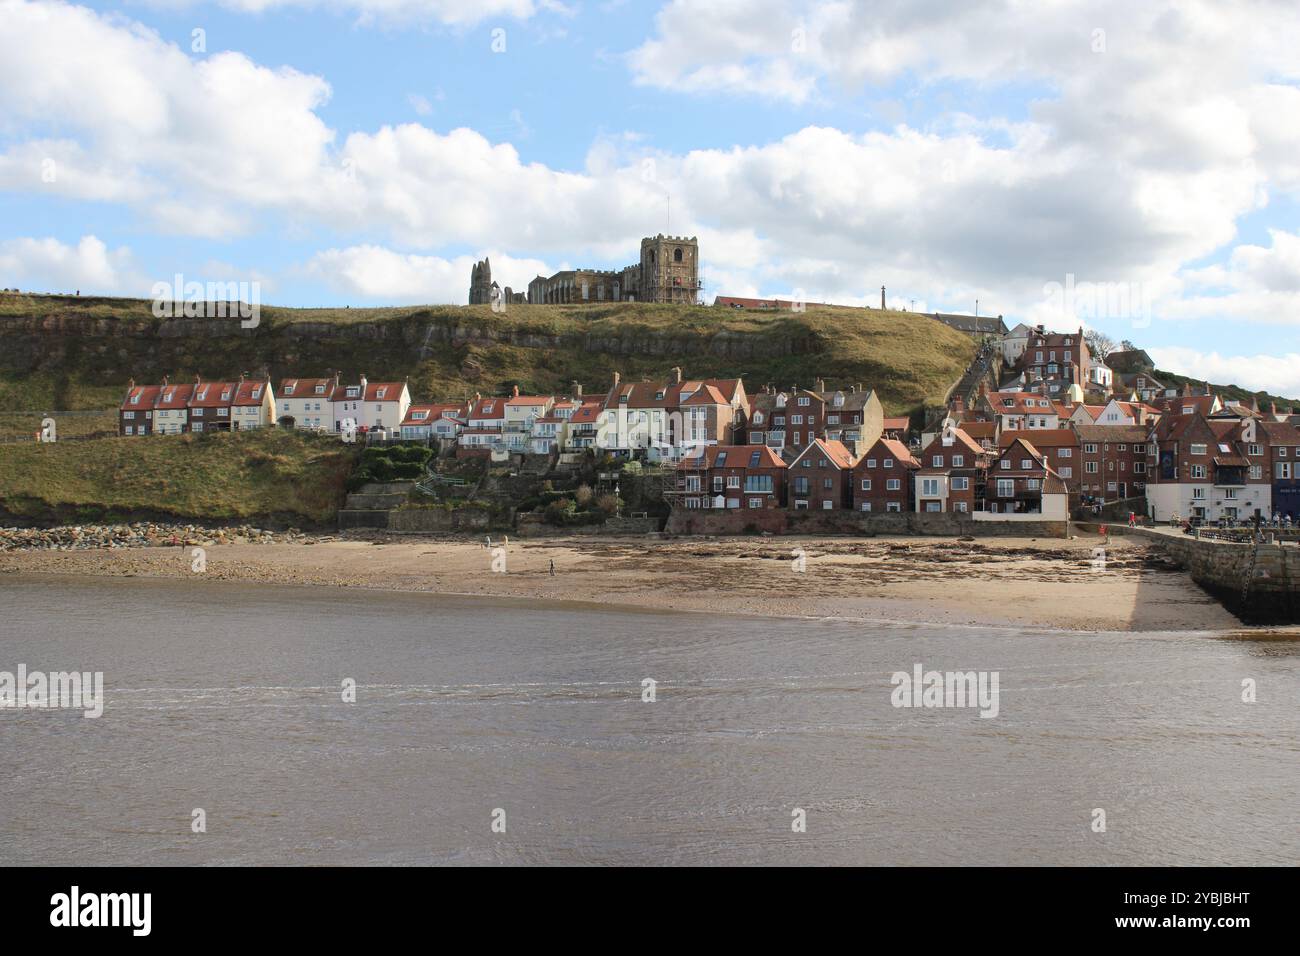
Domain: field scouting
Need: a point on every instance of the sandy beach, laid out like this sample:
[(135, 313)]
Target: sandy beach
[(1041, 584)]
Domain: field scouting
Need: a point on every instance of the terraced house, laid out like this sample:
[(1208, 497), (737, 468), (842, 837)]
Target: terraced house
[(821, 477), (883, 477), (730, 477), (1208, 470), (951, 476)]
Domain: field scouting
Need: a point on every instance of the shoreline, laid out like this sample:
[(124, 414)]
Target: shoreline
[(1041, 586)]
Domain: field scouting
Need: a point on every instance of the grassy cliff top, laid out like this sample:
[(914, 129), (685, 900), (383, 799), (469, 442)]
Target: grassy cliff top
[(78, 350), (223, 476)]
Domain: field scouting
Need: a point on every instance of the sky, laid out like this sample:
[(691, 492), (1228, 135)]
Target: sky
[(1130, 166)]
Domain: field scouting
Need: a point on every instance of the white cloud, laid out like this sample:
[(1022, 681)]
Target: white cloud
[(1278, 373), (51, 265), (375, 272), (455, 13)]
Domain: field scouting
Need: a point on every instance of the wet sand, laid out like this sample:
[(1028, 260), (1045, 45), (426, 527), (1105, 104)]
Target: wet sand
[(1043, 584)]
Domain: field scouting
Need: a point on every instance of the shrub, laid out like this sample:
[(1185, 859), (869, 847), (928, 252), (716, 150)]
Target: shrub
[(559, 512), (609, 504), (584, 495)]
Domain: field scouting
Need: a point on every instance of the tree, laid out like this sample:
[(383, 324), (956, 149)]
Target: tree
[(1099, 343)]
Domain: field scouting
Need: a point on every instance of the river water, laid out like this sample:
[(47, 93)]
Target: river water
[(228, 698)]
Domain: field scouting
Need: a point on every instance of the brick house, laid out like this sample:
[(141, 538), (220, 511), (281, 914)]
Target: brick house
[(1060, 448), (210, 404), (1058, 360), (951, 475), (821, 477), (730, 477), (1208, 470), (135, 415), (882, 478), (1015, 482), (1283, 441), (1113, 461)]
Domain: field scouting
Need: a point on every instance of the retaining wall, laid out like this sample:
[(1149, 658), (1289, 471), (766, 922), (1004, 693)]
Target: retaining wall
[(781, 521)]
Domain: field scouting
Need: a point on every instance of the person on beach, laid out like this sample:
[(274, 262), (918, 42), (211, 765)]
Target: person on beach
[(552, 567), (1132, 520), (487, 542)]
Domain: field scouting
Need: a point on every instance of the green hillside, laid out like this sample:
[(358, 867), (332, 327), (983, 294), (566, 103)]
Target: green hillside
[(285, 476), (78, 353)]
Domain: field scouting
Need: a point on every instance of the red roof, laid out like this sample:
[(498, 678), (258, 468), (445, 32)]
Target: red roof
[(1042, 437), (488, 408), (251, 392), (587, 412), (213, 394), (174, 396), (707, 395), (738, 456), (301, 387), (839, 455), (900, 424), (144, 395), (895, 448)]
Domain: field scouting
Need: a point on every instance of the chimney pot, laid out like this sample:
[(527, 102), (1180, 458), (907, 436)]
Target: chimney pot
[(515, 391), (617, 379), (677, 375)]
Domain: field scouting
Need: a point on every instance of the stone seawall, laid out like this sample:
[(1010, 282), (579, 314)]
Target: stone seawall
[(779, 521), (1224, 568)]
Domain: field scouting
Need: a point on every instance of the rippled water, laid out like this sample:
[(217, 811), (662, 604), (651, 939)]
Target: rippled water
[(227, 697)]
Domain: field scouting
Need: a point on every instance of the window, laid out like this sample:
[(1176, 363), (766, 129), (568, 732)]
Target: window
[(1254, 450), (1026, 464), (1256, 472), (893, 484), (871, 463), (1197, 449), (1090, 449), (805, 400), (692, 482), (888, 463), (958, 461), (1005, 464), (1281, 469), (733, 481), (1198, 493), (866, 484), (827, 505), (1198, 471), (1006, 488), (959, 506), (961, 484), (937, 461), (866, 506), (1067, 472), (893, 506), (1065, 452), (756, 502), (827, 483), (796, 420), (128, 414), (929, 486)]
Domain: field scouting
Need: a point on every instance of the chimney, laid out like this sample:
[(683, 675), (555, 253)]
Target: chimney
[(164, 381), (1187, 389), (577, 389), (514, 392), (617, 379), (130, 385), (363, 386), (882, 296), (196, 380), (853, 390), (677, 376), (958, 405), (478, 396), (819, 385)]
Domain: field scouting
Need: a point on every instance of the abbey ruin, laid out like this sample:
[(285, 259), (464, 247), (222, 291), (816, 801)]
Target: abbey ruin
[(668, 272)]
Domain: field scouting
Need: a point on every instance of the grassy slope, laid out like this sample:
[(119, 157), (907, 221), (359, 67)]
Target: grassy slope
[(1229, 392), (230, 476), (908, 358)]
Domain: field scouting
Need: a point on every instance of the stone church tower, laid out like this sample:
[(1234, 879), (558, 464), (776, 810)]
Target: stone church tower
[(669, 270), (480, 283)]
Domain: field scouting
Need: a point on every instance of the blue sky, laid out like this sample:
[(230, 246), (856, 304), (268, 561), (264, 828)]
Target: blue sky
[(366, 151)]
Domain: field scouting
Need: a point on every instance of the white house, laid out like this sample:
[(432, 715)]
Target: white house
[(372, 405), (306, 403)]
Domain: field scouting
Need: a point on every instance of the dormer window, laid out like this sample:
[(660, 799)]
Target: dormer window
[(780, 400), (320, 389), (135, 399), (203, 393), (225, 394), (288, 389), (419, 416), (381, 393), (168, 396), (353, 391)]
